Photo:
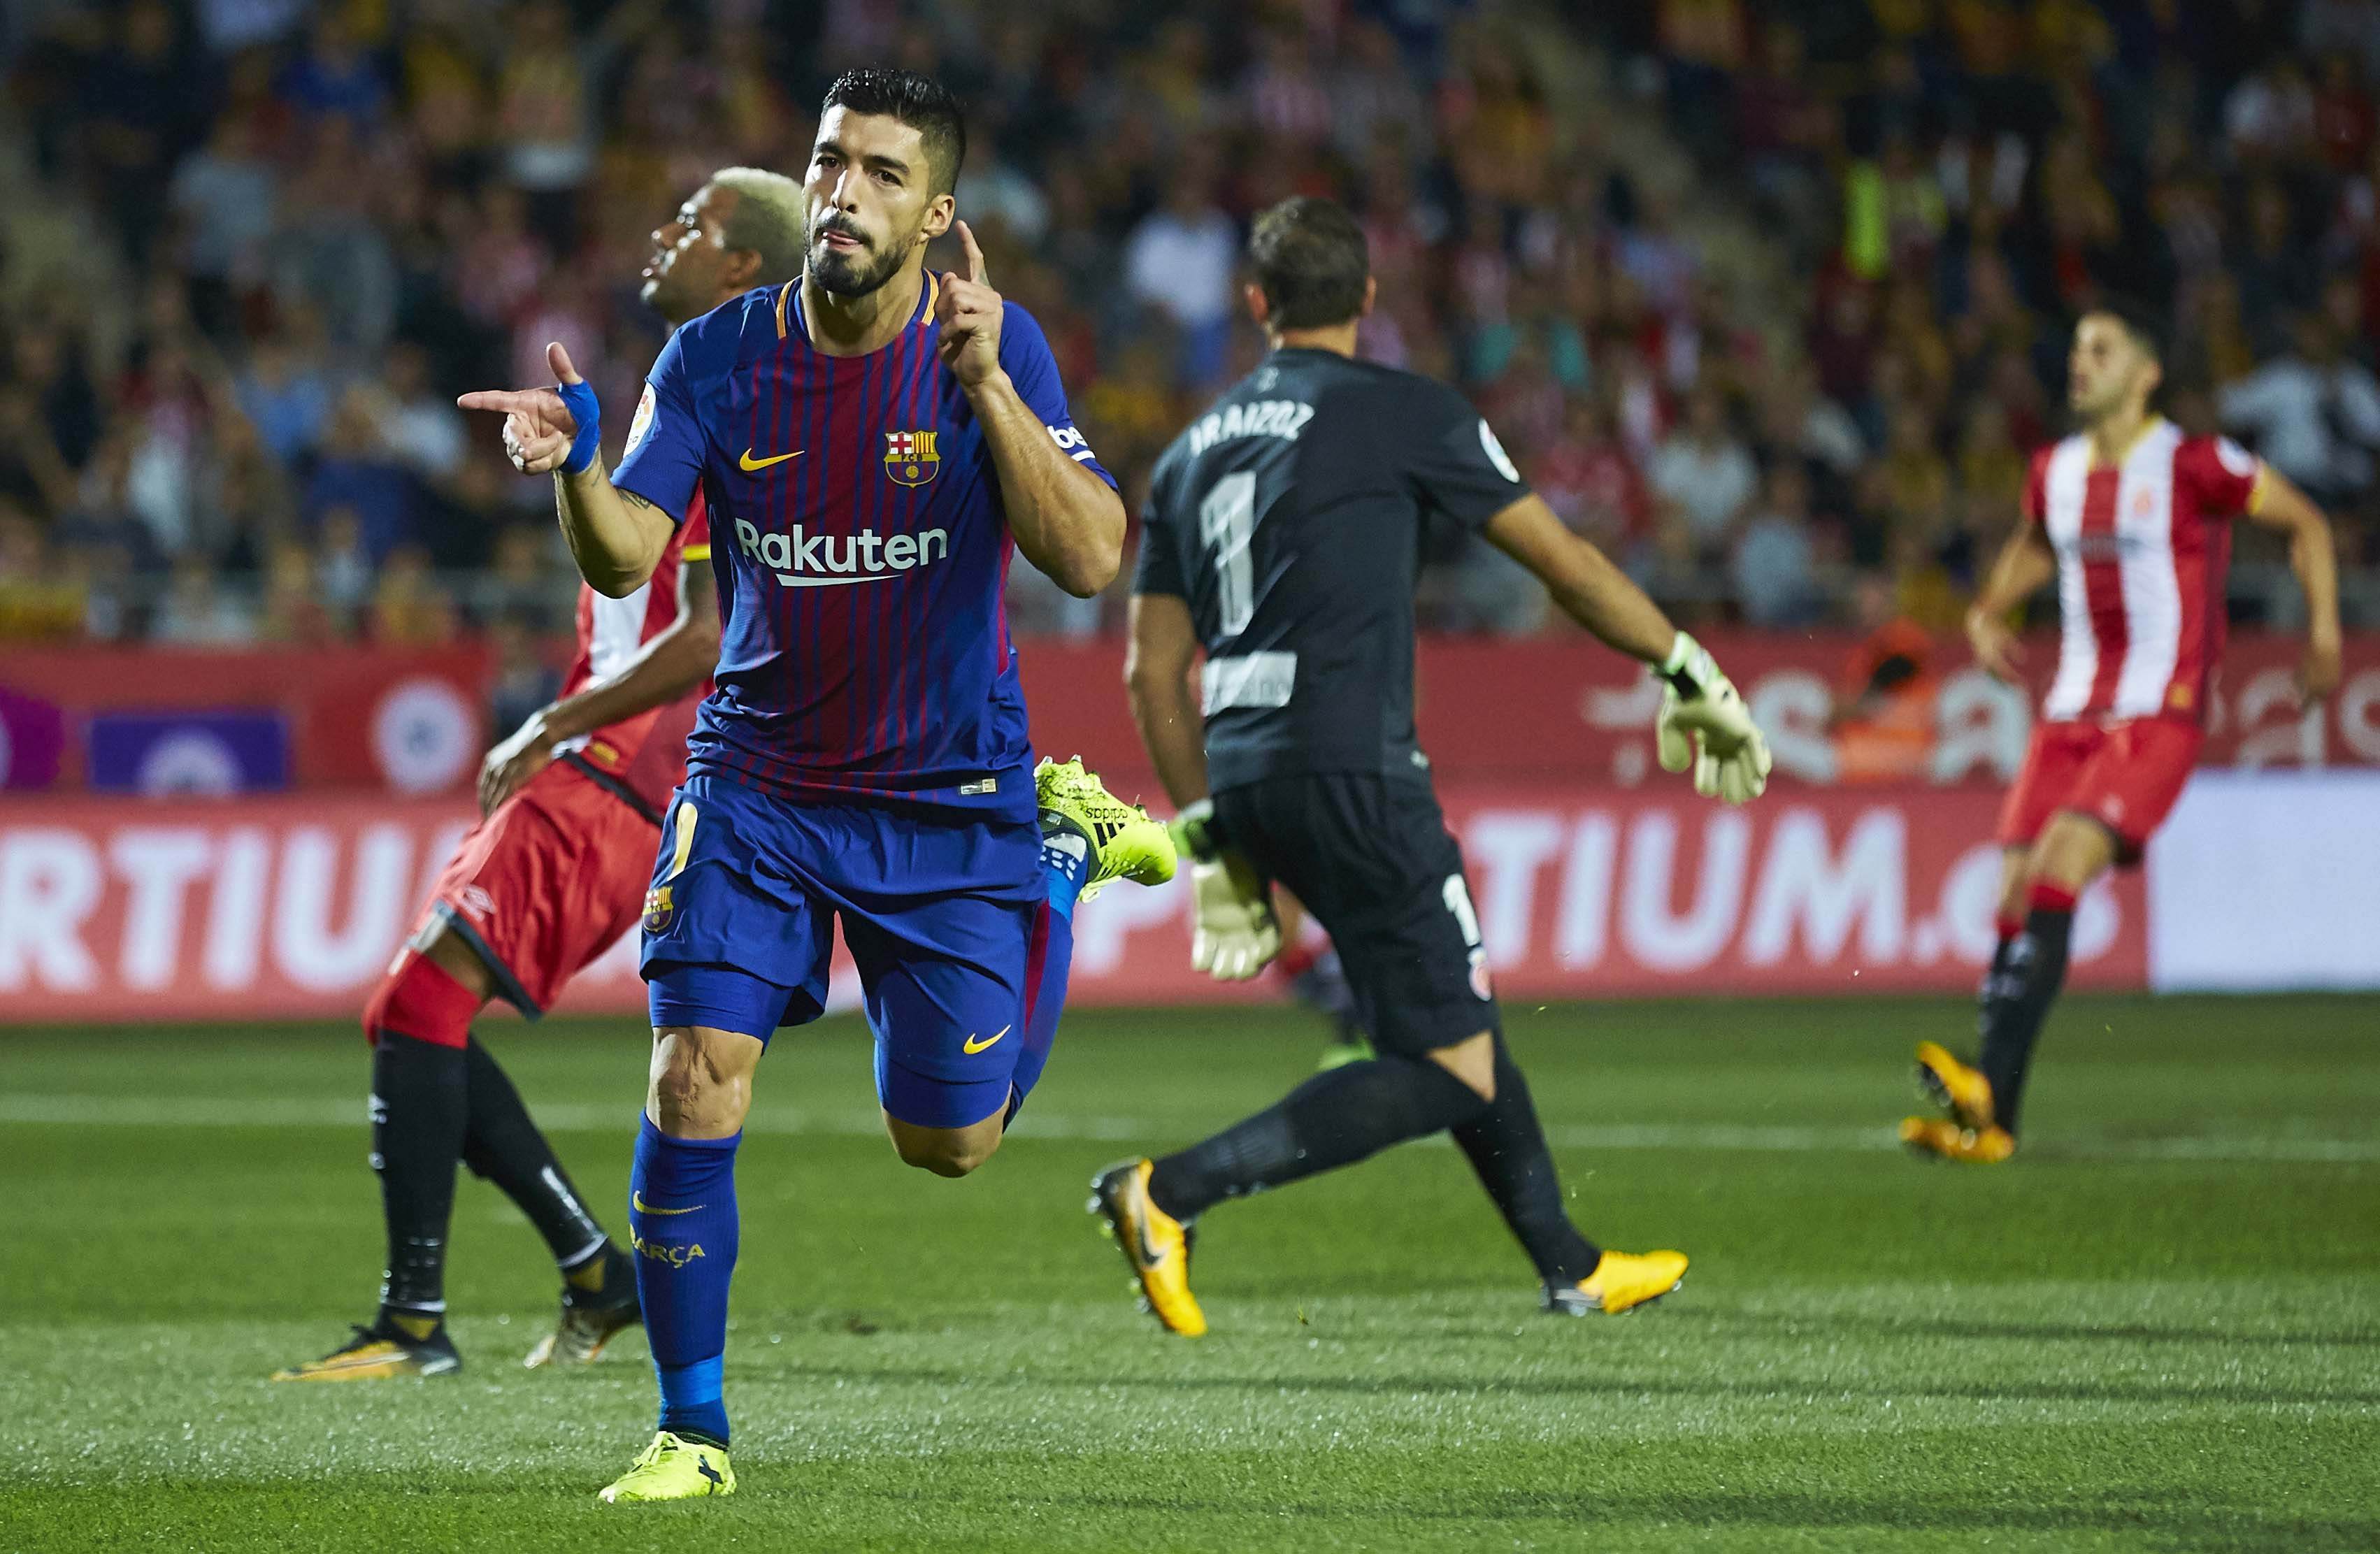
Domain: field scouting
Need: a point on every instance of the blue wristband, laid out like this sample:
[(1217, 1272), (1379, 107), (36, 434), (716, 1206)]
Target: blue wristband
[(578, 398)]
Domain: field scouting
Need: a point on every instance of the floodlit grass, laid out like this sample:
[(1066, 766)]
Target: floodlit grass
[(2158, 1329)]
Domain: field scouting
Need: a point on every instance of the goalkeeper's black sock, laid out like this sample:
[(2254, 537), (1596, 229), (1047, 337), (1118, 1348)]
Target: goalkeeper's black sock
[(419, 1106), (2017, 999), (501, 1145), (1334, 1119), (1507, 1148)]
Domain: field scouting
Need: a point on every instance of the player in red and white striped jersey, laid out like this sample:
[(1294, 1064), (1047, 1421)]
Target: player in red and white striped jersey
[(555, 870), (2133, 520)]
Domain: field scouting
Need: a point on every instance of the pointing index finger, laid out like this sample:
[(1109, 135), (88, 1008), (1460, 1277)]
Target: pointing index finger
[(503, 401), (976, 271)]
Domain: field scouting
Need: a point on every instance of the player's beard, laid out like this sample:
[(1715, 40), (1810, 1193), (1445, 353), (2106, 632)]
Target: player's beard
[(852, 272)]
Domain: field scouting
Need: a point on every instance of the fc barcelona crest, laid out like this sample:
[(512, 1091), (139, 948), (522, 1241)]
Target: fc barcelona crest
[(910, 457)]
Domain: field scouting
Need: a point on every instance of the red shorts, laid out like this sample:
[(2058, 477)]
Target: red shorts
[(545, 884), (2124, 775)]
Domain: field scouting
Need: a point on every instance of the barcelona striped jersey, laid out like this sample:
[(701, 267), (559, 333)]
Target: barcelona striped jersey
[(861, 552)]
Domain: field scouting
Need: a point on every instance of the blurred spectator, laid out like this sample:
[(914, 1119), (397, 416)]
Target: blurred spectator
[(32, 472), (286, 394), (342, 566), (330, 260), (1883, 720), (408, 607), (521, 579), (1588, 478), (37, 600), (525, 681), (1704, 474), (196, 613), (1183, 257), (140, 111), (104, 523), (1773, 568), (421, 427), (294, 614), (2312, 412), (45, 367), (359, 473), (335, 76)]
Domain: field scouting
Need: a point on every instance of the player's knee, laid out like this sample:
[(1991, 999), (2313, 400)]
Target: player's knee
[(693, 1092), (1473, 1062), (952, 1152), (2072, 852)]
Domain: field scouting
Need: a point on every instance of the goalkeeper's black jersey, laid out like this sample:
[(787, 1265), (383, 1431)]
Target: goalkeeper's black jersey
[(1292, 517)]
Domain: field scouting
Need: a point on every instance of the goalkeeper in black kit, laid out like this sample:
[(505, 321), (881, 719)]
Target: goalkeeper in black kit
[(1283, 537)]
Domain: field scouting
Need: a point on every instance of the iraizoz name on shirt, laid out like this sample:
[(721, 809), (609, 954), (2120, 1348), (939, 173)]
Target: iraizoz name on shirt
[(1284, 418)]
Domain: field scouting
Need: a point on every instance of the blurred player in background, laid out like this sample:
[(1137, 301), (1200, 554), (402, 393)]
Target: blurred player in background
[(554, 872), (1283, 534), (2133, 519), (872, 442)]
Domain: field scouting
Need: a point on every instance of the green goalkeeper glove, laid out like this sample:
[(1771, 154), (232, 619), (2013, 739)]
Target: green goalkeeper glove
[(1704, 725)]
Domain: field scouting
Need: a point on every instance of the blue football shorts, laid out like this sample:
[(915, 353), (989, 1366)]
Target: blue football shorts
[(938, 910)]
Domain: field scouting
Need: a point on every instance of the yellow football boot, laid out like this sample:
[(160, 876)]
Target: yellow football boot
[(1125, 844), (1155, 1245), (1944, 1138), (379, 1352), (1956, 1088), (1621, 1281), (672, 1469)]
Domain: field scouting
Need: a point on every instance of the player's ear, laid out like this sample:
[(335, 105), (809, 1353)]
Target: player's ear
[(740, 268), (941, 210), (1258, 309), (1371, 291)]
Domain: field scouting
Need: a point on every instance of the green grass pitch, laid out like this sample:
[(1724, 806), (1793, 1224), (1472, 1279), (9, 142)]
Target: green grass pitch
[(2158, 1329)]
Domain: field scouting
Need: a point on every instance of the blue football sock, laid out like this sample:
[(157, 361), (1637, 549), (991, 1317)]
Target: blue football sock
[(1051, 957), (1066, 861), (682, 1223)]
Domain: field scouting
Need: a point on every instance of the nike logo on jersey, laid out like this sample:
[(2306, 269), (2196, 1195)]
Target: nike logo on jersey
[(637, 1201), (971, 1046), (751, 465), (803, 560)]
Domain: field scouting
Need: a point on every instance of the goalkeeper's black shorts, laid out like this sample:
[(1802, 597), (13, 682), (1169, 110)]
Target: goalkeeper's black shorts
[(1371, 858)]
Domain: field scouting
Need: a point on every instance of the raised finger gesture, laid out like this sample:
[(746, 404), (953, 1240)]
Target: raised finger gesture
[(969, 313), (538, 427)]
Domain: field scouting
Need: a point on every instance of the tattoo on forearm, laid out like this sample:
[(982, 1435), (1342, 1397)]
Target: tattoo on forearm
[(632, 497)]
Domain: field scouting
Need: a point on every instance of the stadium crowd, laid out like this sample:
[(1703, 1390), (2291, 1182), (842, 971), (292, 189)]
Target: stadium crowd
[(1771, 300)]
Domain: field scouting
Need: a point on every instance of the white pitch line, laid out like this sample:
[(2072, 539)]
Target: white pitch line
[(84, 1110)]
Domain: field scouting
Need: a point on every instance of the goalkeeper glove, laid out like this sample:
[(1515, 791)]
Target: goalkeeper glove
[(1234, 934), (1702, 725)]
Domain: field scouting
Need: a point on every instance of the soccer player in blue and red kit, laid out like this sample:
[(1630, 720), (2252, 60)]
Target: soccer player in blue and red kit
[(873, 442)]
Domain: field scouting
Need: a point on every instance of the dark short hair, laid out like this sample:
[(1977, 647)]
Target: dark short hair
[(2143, 323), (1311, 262), (922, 103)]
